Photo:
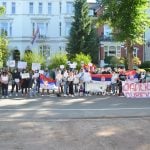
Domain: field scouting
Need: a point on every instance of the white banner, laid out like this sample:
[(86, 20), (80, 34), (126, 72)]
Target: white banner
[(136, 90), (22, 65), (36, 66)]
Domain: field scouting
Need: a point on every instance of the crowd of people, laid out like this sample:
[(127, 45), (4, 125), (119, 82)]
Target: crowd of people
[(68, 82)]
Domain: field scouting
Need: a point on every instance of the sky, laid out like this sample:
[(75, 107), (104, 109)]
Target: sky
[(91, 0)]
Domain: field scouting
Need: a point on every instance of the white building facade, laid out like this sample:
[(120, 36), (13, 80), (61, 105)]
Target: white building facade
[(48, 21)]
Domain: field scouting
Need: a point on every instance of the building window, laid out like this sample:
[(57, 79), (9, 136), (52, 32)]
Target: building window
[(43, 27), (68, 27), (44, 50), (31, 8), (70, 8), (59, 28), (16, 55), (49, 8), (6, 29), (60, 5), (10, 30), (91, 12), (112, 51), (13, 7), (40, 8), (135, 52), (5, 5)]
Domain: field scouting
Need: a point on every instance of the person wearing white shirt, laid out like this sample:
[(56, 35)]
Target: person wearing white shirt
[(4, 80), (114, 79), (64, 82), (86, 78)]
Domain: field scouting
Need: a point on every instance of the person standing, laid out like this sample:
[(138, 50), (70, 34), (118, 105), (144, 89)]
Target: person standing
[(15, 81), (114, 79), (70, 83), (4, 81)]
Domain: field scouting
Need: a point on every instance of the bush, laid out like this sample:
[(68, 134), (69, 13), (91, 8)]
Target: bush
[(146, 69), (79, 58), (145, 64), (33, 58), (57, 60)]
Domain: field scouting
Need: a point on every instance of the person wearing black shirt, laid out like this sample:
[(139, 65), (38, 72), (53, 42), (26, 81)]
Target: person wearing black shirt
[(15, 81), (122, 77)]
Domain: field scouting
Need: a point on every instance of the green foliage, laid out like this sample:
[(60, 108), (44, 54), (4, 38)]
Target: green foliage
[(145, 64), (146, 69), (57, 60), (3, 45), (107, 59), (33, 58), (115, 61), (136, 61), (2, 10), (81, 58), (128, 19), (83, 37), (3, 50)]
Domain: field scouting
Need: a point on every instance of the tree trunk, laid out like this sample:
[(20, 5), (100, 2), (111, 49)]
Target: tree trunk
[(129, 54)]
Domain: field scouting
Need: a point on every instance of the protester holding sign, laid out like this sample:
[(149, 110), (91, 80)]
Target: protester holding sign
[(24, 82), (4, 79), (15, 81)]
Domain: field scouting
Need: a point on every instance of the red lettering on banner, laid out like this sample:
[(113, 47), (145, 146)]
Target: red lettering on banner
[(136, 94), (142, 87), (132, 87), (126, 87), (147, 86), (138, 90)]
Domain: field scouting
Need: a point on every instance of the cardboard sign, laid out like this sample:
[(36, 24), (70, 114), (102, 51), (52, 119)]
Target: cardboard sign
[(22, 65), (36, 66), (25, 75), (41, 71), (11, 63)]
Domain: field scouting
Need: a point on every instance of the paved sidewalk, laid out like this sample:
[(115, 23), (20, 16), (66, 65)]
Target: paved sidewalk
[(94, 134)]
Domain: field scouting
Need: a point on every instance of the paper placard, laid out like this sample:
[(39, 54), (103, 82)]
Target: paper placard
[(11, 63), (25, 75), (36, 66), (17, 80), (41, 71), (22, 65), (72, 66), (62, 66), (36, 75)]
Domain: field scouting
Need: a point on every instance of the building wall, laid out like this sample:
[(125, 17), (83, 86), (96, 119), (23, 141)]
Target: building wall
[(22, 25)]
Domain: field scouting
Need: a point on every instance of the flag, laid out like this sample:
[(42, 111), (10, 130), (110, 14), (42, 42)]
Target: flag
[(35, 36), (101, 77), (47, 83)]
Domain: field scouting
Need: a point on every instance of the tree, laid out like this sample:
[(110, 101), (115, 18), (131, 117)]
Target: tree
[(82, 34), (33, 58), (3, 50), (128, 19), (115, 61), (57, 60), (3, 45), (81, 59)]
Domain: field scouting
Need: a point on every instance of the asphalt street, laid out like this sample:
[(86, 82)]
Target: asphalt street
[(78, 123), (52, 107)]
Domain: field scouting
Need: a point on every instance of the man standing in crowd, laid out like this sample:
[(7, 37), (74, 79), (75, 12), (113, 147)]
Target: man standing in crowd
[(15, 81)]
